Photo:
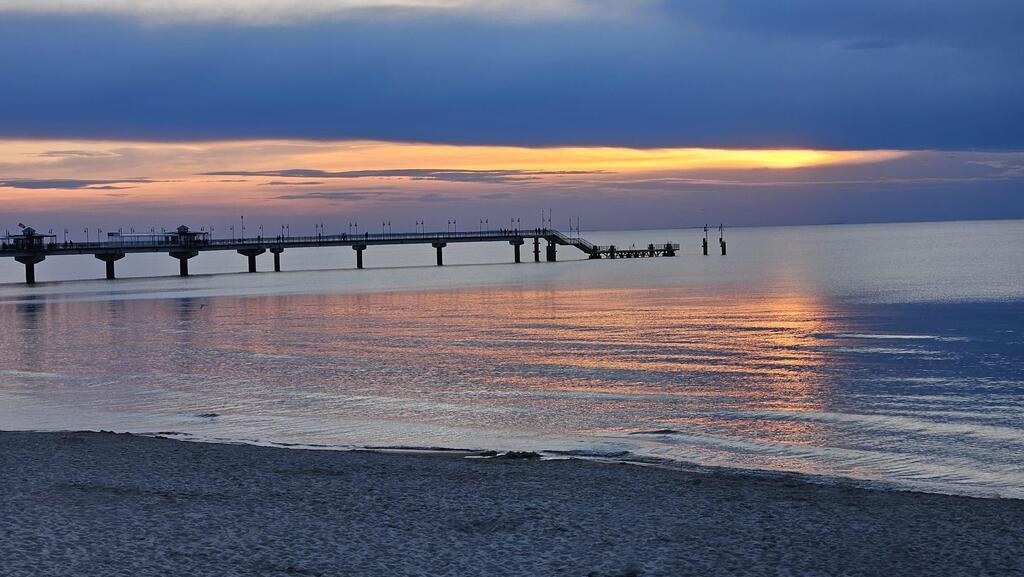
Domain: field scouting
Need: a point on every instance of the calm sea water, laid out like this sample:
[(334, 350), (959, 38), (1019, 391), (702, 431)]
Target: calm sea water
[(891, 353)]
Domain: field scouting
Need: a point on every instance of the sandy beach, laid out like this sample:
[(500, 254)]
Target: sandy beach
[(118, 504)]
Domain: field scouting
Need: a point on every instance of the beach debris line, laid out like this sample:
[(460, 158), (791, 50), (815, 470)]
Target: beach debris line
[(512, 455)]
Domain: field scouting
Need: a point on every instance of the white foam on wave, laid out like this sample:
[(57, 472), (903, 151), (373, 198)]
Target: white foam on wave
[(951, 474)]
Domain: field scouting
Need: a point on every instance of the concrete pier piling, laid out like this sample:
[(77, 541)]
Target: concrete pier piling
[(551, 252), (30, 266), (251, 254), (439, 246), (183, 256), (277, 258), (109, 258), (536, 249), (359, 248), (516, 244)]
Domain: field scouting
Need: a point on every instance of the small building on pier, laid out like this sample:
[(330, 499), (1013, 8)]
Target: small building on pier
[(28, 240), (181, 236)]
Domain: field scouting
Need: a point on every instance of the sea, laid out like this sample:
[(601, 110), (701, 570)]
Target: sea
[(885, 354)]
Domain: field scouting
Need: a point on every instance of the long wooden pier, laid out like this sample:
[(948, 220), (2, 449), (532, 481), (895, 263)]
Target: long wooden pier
[(31, 248)]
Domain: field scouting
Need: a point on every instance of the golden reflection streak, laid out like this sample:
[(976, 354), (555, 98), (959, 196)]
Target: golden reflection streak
[(531, 348)]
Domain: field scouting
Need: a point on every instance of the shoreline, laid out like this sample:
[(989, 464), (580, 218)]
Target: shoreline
[(78, 503), (624, 457)]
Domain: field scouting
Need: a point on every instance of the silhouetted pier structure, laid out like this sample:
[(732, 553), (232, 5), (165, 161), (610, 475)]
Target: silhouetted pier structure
[(31, 248)]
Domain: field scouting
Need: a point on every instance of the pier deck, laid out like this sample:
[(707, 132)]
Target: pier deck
[(31, 248)]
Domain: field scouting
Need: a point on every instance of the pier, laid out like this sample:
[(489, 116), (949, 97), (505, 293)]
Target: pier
[(31, 248)]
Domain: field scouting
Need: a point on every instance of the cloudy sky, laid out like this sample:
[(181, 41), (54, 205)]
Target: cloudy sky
[(627, 113)]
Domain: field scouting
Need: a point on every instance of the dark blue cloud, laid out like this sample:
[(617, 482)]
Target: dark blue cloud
[(944, 74), (336, 196), (69, 183)]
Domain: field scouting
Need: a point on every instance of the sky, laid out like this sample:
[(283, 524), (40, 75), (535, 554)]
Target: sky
[(624, 113)]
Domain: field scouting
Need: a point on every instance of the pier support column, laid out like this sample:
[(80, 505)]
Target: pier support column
[(704, 243), (183, 256), (109, 258), (551, 251), (536, 249), (516, 243), (439, 246), (30, 266), (277, 258), (669, 250), (721, 241), (251, 253), (359, 248)]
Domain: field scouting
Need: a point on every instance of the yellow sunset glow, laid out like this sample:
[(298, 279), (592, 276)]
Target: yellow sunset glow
[(221, 173), (363, 155)]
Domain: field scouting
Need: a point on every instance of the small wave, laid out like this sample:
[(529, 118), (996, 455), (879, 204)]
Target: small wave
[(415, 448), (656, 432), (594, 453), (879, 350), (896, 337), (28, 374)]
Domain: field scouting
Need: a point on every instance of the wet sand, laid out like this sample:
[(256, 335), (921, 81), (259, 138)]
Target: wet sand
[(106, 504)]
